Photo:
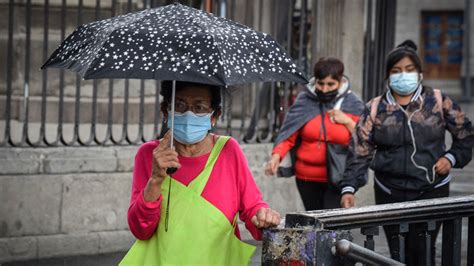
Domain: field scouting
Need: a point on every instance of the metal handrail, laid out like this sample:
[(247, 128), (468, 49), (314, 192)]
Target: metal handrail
[(427, 214), (385, 214), (358, 253)]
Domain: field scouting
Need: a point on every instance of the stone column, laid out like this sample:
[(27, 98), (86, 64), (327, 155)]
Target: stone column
[(338, 31), (468, 58)]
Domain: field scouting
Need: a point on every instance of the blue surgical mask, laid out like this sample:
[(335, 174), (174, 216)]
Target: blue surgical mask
[(190, 128), (404, 83)]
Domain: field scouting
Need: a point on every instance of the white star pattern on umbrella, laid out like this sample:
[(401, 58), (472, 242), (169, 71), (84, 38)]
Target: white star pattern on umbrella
[(154, 39)]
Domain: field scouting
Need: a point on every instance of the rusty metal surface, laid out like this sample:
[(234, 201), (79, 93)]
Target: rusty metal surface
[(301, 246)]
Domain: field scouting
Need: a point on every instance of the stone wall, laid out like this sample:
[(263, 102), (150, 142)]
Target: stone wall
[(64, 201)]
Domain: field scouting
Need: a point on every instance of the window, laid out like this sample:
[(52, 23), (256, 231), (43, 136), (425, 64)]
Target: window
[(441, 44)]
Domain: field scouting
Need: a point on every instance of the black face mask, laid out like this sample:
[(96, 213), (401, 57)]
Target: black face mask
[(326, 97)]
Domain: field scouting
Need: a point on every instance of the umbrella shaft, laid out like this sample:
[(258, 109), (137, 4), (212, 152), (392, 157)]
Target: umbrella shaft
[(173, 96)]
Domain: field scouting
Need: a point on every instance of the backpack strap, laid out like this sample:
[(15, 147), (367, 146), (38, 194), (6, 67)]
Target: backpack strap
[(374, 106)]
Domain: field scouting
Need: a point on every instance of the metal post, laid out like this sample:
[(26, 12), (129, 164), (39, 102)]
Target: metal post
[(425, 257), (367, 52), (452, 230), (77, 112), (93, 135), (470, 241), (209, 6), (7, 136), (302, 41), (42, 136), (60, 136), (467, 43), (157, 110), (26, 88), (370, 232), (110, 109), (223, 8), (399, 242), (289, 39)]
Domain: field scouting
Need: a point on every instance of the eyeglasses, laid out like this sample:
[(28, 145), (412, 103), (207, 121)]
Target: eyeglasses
[(200, 108)]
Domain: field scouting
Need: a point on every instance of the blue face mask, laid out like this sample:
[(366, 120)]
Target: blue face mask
[(190, 128), (404, 83)]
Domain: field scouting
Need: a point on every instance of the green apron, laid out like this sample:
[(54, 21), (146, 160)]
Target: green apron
[(198, 233)]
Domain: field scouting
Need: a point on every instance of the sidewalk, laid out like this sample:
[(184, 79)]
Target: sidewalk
[(106, 259)]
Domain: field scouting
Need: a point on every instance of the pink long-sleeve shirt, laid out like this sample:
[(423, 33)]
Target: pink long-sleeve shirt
[(231, 188)]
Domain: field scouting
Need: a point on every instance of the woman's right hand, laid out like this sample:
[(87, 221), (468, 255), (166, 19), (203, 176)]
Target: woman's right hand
[(272, 165), (163, 158), (347, 200)]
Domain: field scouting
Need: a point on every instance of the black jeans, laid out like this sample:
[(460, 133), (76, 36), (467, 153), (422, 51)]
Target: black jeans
[(318, 196), (414, 237)]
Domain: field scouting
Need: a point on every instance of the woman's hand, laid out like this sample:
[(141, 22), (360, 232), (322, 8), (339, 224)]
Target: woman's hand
[(265, 218), (347, 200), (443, 166), (338, 116), (272, 166), (163, 158)]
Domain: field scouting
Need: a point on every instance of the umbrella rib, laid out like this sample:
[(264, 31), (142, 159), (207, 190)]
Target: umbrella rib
[(221, 58), (109, 32)]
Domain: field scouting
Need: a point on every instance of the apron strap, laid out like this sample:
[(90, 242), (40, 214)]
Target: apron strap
[(200, 181), (234, 222)]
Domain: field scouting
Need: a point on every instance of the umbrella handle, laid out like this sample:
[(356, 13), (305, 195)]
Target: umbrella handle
[(171, 170)]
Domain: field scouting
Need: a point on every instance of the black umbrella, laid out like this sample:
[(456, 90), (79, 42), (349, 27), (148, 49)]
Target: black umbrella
[(174, 42)]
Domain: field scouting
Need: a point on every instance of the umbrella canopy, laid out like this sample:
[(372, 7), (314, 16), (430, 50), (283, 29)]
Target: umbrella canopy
[(174, 42)]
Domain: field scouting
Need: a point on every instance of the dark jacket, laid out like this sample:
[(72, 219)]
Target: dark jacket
[(387, 143)]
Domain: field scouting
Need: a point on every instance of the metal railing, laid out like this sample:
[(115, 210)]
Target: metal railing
[(357, 253), (58, 108), (426, 213), (378, 41)]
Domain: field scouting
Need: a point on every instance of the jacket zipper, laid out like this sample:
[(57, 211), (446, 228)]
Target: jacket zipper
[(404, 142), (321, 135)]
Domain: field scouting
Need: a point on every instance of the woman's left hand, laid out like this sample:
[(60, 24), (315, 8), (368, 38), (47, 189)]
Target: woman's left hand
[(442, 166), (338, 116), (265, 218)]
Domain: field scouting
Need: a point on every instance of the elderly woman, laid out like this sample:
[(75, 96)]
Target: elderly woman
[(325, 113), (401, 136), (190, 217)]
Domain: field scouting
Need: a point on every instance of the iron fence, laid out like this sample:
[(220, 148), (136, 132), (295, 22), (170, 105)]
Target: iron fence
[(58, 108)]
